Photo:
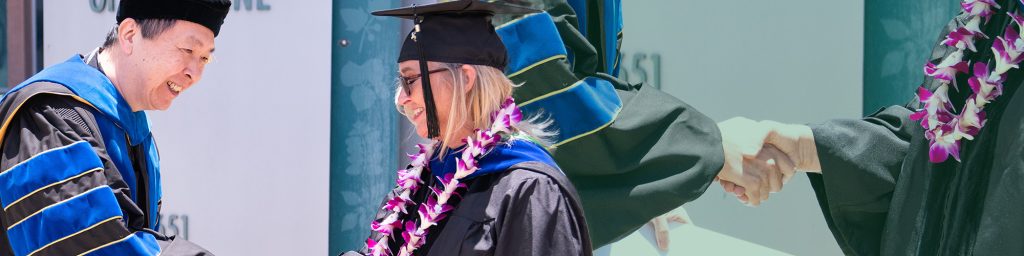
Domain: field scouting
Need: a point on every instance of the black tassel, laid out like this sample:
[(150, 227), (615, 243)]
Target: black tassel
[(433, 131)]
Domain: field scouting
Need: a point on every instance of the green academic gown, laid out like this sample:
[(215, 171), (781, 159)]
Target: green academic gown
[(632, 152), (881, 196)]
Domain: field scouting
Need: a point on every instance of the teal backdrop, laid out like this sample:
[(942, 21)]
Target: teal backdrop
[(363, 118), (898, 37)]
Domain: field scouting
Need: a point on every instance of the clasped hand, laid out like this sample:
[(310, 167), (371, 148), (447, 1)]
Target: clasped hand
[(760, 157)]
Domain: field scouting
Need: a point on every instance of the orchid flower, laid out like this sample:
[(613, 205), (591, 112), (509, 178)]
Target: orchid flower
[(413, 237), (974, 26), (449, 184), (386, 225), (946, 69), (508, 116), (971, 119), (1008, 49), (464, 167), (936, 107), (1017, 19), (409, 179), (981, 8), (398, 203), (944, 145), (419, 159), (961, 38), (378, 248), (986, 86)]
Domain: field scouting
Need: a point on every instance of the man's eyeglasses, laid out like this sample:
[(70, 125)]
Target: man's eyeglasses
[(407, 81)]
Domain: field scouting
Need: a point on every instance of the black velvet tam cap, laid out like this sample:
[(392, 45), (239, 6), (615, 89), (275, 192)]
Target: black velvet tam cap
[(452, 32), (455, 32), (208, 13)]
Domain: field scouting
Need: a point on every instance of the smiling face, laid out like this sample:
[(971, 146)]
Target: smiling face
[(413, 105), (156, 70)]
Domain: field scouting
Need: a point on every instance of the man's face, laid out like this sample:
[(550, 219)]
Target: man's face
[(166, 65)]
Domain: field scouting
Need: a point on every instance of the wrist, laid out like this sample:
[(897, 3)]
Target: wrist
[(808, 149), (797, 141)]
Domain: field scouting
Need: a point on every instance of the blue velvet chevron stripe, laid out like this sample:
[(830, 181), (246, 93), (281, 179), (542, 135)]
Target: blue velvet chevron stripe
[(612, 28), (578, 110), (64, 219), (580, 7), (531, 40), (609, 25), (47, 168)]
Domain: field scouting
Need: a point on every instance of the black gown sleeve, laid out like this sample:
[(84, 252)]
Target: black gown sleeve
[(539, 219), (860, 161), (45, 124)]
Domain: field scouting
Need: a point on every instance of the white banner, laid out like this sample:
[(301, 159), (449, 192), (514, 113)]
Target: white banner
[(796, 61)]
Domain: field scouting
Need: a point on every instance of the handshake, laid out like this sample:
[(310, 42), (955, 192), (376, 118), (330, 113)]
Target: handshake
[(762, 156)]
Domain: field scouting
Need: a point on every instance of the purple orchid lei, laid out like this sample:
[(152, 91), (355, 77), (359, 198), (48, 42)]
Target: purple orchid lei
[(945, 129), (436, 207)]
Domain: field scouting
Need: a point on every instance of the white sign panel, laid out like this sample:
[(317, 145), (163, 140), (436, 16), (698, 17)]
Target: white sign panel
[(794, 61)]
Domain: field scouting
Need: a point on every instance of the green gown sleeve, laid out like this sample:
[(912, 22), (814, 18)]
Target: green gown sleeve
[(632, 152)]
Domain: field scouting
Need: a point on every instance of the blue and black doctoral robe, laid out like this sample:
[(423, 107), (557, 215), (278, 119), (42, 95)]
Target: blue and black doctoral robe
[(80, 169)]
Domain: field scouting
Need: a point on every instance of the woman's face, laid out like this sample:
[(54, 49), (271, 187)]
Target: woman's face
[(412, 102)]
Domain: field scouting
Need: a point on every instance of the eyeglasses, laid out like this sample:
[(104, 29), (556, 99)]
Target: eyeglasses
[(407, 81)]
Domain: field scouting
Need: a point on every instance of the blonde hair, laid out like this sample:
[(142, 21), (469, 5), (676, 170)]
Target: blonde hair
[(474, 108)]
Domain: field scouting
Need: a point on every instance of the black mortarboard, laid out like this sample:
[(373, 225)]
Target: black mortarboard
[(208, 13), (452, 32)]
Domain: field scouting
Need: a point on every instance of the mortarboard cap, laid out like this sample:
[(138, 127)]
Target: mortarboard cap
[(208, 13), (455, 32), (452, 32)]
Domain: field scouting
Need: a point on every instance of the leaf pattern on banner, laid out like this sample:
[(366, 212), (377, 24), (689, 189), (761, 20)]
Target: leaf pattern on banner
[(367, 161)]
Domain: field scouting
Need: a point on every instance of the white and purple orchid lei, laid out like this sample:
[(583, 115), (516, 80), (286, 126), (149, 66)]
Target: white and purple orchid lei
[(436, 207), (944, 129)]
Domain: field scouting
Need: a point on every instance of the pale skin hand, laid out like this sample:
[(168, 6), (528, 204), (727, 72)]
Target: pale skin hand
[(660, 225), (767, 153), (796, 141), (792, 147), (747, 164)]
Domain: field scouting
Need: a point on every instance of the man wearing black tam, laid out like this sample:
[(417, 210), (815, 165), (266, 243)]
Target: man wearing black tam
[(484, 185), (81, 174)]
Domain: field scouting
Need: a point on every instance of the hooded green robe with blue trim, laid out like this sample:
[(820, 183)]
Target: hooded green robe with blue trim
[(80, 169), (633, 152)]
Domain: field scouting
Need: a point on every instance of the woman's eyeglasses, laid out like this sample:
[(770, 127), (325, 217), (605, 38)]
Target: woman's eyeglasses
[(407, 81)]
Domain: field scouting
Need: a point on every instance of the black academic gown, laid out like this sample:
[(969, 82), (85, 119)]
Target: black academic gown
[(530, 209), (881, 195)]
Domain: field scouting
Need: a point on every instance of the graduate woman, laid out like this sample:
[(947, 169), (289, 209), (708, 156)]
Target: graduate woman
[(485, 185)]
